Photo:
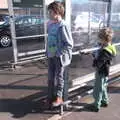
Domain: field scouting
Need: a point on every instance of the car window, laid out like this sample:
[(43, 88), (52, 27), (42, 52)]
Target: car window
[(25, 21), (19, 21), (4, 19), (1, 21), (37, 20), (34, 20)]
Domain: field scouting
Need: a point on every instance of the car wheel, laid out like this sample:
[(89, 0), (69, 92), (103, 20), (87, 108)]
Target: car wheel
[(5, 41)]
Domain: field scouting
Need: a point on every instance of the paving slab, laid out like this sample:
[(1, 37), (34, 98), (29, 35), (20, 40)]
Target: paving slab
[(23, 90)]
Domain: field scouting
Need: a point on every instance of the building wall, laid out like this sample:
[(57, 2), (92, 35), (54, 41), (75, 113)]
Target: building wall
[(3, 4), (3, 7)]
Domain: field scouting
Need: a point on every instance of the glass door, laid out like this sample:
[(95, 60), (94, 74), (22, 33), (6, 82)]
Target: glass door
[(98, 19), (87, 18)]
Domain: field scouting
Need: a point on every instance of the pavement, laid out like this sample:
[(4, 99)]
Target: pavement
[(112, 112), (24, 89)]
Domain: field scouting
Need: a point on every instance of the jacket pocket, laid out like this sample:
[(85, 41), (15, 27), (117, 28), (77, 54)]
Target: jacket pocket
[(66, 58)]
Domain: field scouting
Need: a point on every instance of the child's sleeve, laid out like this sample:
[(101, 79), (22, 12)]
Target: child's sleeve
[(66, 45), (66, 37)]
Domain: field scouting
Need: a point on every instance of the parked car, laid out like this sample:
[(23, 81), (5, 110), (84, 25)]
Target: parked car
[(24, 26), (82, 22), (3, 18)]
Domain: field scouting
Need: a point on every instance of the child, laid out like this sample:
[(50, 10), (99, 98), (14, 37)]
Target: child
[(101, 63), (59, 52)]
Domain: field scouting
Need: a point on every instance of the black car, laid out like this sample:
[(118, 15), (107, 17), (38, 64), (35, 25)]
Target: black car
[(3, 18), (24, 26)]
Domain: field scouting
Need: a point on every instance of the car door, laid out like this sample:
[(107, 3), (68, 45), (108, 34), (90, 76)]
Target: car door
[(38, 25), (19, 28), (23, 26)]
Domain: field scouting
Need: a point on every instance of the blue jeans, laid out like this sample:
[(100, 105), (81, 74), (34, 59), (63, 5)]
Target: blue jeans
[(55, 78), (100, 89)]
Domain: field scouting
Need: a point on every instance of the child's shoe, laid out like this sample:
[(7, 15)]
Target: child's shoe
[(57, 102), (92, 107), (104, 104)]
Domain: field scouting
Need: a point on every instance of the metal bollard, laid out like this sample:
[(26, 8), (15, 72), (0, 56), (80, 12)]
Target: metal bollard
[(61, 109), (65, 104)]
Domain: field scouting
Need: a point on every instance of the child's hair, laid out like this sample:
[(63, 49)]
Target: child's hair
[(106, 34), (57, 7)]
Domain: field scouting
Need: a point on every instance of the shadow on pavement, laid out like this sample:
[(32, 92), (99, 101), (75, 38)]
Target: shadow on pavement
[(31, 104), (35, 104), (81, 106)]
